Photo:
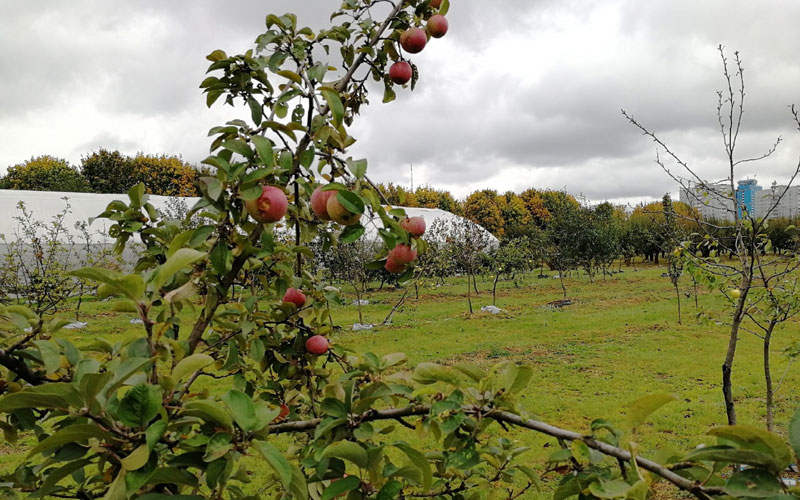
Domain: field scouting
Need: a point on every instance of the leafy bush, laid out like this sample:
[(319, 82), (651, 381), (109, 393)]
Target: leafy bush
[(108, 171), (45, 173)]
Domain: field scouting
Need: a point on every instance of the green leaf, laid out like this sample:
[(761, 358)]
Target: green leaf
[(217, 55), (213, 187), (351, 201), (161, 496), (137, 459), (209, 411), (609, 489), (445, 7), (754, 438), (71, 434), (474, 372), (351, 234), (357, 167), (727, 454), (348, 450), (429, 373), (154, 432), (125, 371), (137, 195), (52, 478), (390, 490), (117, 490), (140, 405), (238, 146), (243, 410), (264, 150), (180, 260), (753, 483), (276, 460), (419, 460), (173, 475), (221, 257), (335, 103), (51, 355), (218, 446), (250, 193), (340, 486), (393, 359), (131, 286), (189, 365), (298, 487), (644, 407), (794, 432), (256, 112)]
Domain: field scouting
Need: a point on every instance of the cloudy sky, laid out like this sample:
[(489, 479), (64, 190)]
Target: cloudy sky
[(520, 93)]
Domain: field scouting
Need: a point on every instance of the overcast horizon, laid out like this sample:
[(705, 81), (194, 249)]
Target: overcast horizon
[(524, 95)]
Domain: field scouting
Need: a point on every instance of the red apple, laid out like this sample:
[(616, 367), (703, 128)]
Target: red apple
[(319, 201), (402, 254), (294, 296), (283, 414), (413, 40), (317, 345), (414, 225), (394, 267), (271, 206), (436, 3), (400, 72), (340, 214), (437, 26)]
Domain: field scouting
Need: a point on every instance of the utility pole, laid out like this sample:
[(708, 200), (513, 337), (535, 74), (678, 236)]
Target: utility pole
[(412, 177)]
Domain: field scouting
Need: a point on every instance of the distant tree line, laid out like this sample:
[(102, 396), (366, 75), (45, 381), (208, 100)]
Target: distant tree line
[(106, 171), (557, 231)]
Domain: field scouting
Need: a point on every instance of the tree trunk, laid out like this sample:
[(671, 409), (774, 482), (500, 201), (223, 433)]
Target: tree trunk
[(768, 377), (469, 291), (475, 285), (358, 299), (388, 318), (494, 289), (678, 295), (727, 366)]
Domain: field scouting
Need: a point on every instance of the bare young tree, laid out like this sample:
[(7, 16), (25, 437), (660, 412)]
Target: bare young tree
[(746, 241)]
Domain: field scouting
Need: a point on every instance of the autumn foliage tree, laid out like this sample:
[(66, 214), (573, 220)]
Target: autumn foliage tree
[(44, 173)]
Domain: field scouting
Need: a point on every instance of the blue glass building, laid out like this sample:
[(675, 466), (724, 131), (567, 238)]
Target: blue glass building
[(746, 196)]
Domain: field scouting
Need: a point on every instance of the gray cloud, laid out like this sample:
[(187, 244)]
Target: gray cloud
[(527, 94)]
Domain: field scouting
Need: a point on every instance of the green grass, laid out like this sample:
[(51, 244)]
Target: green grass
[(619, 340)]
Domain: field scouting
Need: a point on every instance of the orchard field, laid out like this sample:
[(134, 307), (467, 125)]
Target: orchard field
[(618, 341)]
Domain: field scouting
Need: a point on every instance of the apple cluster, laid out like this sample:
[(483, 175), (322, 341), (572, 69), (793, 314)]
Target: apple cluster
[(413, 40)]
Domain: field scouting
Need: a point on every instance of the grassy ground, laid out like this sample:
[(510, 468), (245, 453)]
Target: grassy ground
[(618, 341)]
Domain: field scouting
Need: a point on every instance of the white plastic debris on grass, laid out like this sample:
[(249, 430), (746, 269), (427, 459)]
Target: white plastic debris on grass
[(78, 325), (357, 327), (360, 302), (137, 321), (491, 309)]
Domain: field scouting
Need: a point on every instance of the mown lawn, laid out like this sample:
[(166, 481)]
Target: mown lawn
[(618, 341)]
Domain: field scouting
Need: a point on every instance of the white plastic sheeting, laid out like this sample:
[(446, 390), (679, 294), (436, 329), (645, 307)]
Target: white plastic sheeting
[(43, 205)]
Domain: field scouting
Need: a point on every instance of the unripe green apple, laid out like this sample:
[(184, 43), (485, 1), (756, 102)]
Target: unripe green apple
[(340, 214)]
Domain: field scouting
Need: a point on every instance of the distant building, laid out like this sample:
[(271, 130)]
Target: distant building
[(712, 201), (746, 195), (785, 199)]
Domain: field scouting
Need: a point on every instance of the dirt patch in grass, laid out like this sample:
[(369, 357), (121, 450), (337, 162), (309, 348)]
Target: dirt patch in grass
[(535, 355)]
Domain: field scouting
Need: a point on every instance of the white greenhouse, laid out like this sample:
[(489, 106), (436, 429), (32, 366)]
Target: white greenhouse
[(83, 207)]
